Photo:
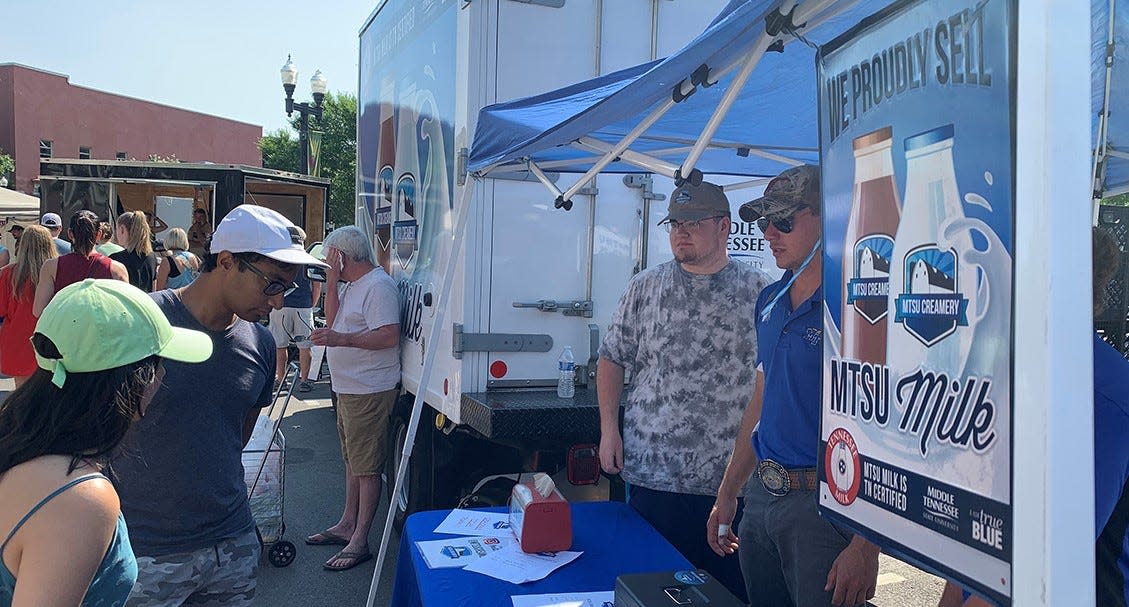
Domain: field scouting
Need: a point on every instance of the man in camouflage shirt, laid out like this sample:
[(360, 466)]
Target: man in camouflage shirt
[(685, 330)]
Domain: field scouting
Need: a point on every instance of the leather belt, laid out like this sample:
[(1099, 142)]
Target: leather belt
[(778, 480)]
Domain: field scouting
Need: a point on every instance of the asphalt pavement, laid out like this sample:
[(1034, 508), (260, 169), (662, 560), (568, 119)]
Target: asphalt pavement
[(314, 497)]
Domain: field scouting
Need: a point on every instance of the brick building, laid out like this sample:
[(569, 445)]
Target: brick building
[(43, 115)]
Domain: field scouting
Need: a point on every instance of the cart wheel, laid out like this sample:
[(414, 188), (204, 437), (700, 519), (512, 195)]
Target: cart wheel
[(281, 554)]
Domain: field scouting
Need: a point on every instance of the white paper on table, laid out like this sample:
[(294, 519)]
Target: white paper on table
[(458, 551), (474, 522), (510, 564), (566, 599)]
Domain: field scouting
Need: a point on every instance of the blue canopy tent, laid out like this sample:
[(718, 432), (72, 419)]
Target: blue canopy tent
[(771, 122)]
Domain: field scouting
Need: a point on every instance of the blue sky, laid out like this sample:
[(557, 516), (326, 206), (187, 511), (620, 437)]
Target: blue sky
[(209, 56)]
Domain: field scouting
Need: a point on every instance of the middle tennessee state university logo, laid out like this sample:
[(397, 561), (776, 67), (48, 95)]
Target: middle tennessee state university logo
[(931, 305), (869, 288)]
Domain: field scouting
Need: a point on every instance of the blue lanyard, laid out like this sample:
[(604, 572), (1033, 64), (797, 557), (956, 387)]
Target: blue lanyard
[(768, 309)]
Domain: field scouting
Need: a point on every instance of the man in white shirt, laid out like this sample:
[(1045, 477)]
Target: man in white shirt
[(363, 348)]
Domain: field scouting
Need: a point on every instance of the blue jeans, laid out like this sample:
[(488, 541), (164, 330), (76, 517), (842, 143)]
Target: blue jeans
[(681, 519)]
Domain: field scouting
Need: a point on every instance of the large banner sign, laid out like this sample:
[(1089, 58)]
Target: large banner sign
[(917, 148)]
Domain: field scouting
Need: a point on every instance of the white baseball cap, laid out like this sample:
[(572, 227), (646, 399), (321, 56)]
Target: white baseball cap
[(250, 228), (51, 220)]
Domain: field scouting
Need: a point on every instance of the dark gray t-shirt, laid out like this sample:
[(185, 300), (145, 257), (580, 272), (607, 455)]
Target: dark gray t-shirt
[(179, 472), (690, 342)]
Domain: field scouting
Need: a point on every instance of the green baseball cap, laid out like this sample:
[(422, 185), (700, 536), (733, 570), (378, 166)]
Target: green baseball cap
[(104, 324)]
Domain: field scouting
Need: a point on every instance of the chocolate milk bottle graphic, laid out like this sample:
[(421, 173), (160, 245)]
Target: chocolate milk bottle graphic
[(385, 174), (868, 248)]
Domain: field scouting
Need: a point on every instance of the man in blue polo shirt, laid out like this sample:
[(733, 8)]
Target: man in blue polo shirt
[(789, 554)]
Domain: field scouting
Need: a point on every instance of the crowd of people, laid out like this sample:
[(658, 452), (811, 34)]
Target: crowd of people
[(107, 440)]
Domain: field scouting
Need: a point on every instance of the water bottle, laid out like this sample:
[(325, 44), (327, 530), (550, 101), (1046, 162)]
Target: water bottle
[(566, 384)]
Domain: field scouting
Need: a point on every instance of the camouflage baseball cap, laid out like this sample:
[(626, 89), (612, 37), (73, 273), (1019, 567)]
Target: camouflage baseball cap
[(794, 188), (695, 202)]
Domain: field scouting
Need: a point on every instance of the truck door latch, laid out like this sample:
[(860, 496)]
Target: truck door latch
[(580, 307)]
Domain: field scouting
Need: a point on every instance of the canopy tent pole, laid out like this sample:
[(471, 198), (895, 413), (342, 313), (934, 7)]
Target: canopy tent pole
[(731, 94), (741, 185), (802, 14), (462, 208), (623, 144), (1117, 153), (542, 177), (1100, 147), (638, 159)]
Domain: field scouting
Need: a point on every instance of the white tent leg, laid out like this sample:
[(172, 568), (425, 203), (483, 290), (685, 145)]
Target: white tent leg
[(462, 207)]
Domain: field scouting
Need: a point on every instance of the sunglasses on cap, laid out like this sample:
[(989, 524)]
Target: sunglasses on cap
[(274, 287), (783, 223)]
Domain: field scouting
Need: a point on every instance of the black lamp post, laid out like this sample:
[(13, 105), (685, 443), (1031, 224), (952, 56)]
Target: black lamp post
[(318, 85)]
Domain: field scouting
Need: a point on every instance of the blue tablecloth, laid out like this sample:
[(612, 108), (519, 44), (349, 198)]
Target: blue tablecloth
[(613, 537)]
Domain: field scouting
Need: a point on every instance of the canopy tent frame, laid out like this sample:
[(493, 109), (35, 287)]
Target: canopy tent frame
[(783, 25), (1102, 148)]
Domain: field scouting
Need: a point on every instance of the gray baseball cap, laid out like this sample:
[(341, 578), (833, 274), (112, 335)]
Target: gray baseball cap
[(787, 192), (695, 202)]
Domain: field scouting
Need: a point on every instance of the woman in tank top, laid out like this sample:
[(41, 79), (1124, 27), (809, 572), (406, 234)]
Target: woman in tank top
[(81, 263), (65, 542), (180, 267), (139, 260)]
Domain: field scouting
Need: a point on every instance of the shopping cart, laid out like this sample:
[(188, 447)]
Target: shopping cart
[(264, 472)]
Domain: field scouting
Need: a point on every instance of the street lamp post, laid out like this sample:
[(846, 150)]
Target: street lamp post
[(318, 85)]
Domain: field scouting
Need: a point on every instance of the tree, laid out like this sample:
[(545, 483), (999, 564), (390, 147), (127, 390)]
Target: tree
[(1121, 200), (7, 165), (338, 152)]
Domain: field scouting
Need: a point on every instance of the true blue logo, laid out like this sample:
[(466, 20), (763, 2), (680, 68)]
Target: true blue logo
[(683, 197), (931, 306), (869, 288)]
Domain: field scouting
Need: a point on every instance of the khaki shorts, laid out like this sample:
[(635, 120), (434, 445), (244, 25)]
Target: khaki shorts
[(362, 426), (291, 323)]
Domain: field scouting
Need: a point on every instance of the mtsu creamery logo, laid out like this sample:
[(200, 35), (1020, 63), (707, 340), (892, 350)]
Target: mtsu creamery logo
[(931, 305), (869, 288)]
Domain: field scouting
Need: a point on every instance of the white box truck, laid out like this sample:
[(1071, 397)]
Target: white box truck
[(530, 278)]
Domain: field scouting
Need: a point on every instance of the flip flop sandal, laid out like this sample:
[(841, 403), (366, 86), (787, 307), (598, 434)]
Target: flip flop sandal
[(325, 538), (352, 559)]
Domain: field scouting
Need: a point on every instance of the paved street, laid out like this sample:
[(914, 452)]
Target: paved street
[(314, 499)]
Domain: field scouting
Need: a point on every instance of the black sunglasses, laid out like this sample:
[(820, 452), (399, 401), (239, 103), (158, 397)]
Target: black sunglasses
[(780, 222), (274, 287)]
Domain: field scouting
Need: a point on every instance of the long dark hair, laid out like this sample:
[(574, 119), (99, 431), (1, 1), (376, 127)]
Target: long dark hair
[(84, 231), (84, 420)]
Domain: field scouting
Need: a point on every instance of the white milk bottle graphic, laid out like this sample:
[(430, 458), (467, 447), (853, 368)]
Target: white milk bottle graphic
[(868, 248), (404, 237), (433, 199), (932, 283)]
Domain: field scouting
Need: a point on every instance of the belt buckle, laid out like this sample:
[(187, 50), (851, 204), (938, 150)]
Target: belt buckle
[(774, 478)]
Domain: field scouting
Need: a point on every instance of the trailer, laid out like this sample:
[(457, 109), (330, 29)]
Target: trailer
[(170, 191)]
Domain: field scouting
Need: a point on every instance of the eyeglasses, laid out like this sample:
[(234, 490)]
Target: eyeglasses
[(687, 226), (274, 287), (780, 222)]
